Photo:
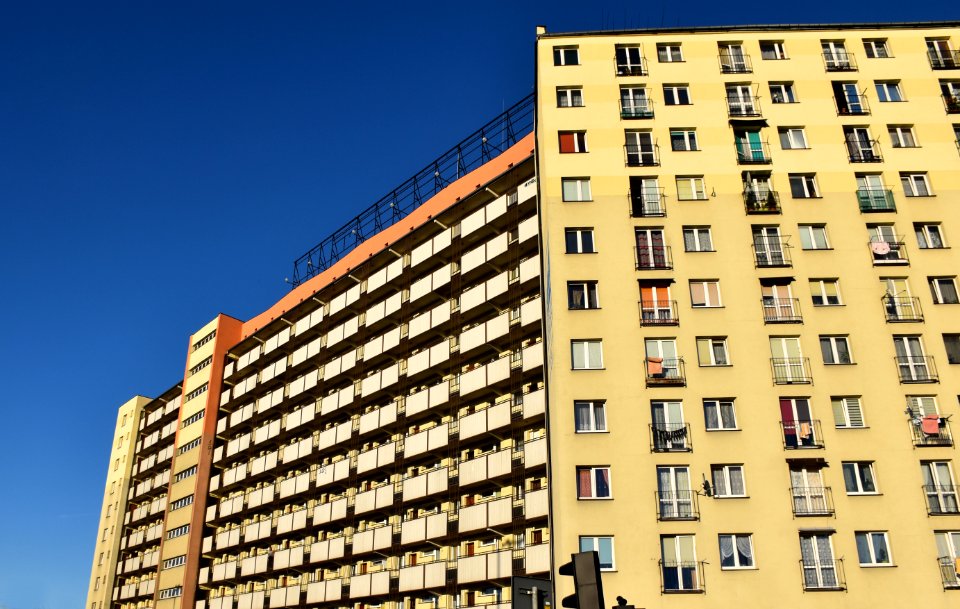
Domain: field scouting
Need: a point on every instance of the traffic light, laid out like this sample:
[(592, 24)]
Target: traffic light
[(585, 569)]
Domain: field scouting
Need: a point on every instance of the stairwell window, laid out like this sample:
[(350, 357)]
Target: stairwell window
[(573, 141), (566, 56), (669, 53), (593, 483), (587, 354), (569, 97)]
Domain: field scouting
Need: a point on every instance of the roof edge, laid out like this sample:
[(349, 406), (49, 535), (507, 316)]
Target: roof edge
[(904, 25)]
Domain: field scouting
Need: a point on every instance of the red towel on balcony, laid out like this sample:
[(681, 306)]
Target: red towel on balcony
[(654, 366), (930, 424)]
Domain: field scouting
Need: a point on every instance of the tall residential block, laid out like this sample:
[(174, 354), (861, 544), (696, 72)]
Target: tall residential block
[(693, 306)]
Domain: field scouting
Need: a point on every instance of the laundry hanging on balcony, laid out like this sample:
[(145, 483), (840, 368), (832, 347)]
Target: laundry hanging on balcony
[(880, 248), (654, 366), (930, 424)]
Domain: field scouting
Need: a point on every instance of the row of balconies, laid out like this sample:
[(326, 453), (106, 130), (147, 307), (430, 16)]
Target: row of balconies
[(144, 587), (141, 560), (157, 414), (141, 535), (151, 485), (160, 458), (147, 509)]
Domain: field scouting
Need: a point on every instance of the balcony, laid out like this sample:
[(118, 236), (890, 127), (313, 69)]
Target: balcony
[(677, 505), (647, 203), (753, 154), (762, 201), (812, 500), (681, 577), (791, 370), (951, 103), (853, 105), (631, 109), (670, 437), (738, 107), (666, 372), (839, 61), (642, 155), (735, 63), (875, 199), (941, 499), (865, 151), (944, 59), (949, 572), (801, 434), (888, 252), (930, 437), (659, 313), (781, 311), (772, 254), (916, 369), (902, 309), (653, 257), (626, 67), (823, 575)]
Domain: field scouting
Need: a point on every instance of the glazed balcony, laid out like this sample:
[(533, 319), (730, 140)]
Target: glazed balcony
[(875, 200)]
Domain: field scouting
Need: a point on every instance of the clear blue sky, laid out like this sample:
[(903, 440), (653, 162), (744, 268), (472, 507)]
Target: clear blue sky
[(123, 124)]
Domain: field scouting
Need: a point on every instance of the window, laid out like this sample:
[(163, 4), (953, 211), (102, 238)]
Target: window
[(566, 56), (712, 351), (783, 93), (573, 141), (772, 49), (825, 292), (915, 185), (576, 189), (641, 148), (674, 497), (951, 342), (176, 561), (579, 241), (196, 392), (943, 290), (634, 103), (902, 136), (835, 55), (728, 481), (170, 592), (669, 53), (203, 364), (819, 568), (912, 360), (662, 363), (590, 416), (736, 551), (813, 237), (733, 60), (929, 235), (184, 474), (873, 549), (876, 48), (697, 239), (678, 560), (569, 97), (888, 91), (587, 354), (939, 488), (835, 350), (206, 339), (705, 294), (189, 446), (192, 419), (602, 546), (676, 95), (719, 415), (178, 532), (691, 188), (582, 295), (181, 503), (683, 140), (858, 478), (593, 483), (792, 138), (847, 412), (629, 61), (804, 186)]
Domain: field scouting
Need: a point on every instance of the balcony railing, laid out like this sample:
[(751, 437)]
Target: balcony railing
[(633, 109), (916, 369), (888, 252), (762, 201), (642, 155), (666, 372), (740, 107), (791, 370), (951, 103), (753, 154), (781, 311), (735, 64), (853, 105), (659, 313), (823, 575), (941, 499), (875, 199), (681, 577), (939, 437), (801, 434), (949, 572), (653, 257), (867, 151), (839, 61), (771, 255), (670, 437), (812, 500), (944, 60), (647, 203), (625, 68), (902, 308), (677, 505)]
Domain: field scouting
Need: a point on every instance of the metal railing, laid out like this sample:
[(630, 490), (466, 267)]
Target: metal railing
[(735, 64), (781, 311), (875, 199), (853, 105), (839, 61), (888, 252), (740, 107), (949, 572), (670, 437), (941, 499), (921, 438), (823, 575), (916, 369), (671, 372), (630, 69), (902, 308), (635, 109), (762, 201), (753, 154), (653, 257), (791, 370), (801, 434), (677, 505), (863, 151), (812, 500), (647, 203), (659, 313), (681, 577), (766, 255), (642, 155), (944, 60), (951, 103)]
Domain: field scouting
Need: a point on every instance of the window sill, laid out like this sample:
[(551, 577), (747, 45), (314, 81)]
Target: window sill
[(848, 428), (696, 199), (919, 196), (693, 306), (700, 251), (685, 150), (849, 494), (871, 566), (591, 431), (723, 429), (816, 249), (715, 365), (561, 107), (594, 498), (739, 569), (576, 200), (584, 309), (586, 369), (802, 198), (839, 363), (578, 253), (731, 496), (945, 303), (827, 306)]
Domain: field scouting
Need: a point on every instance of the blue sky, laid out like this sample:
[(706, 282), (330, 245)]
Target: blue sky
[(126, 127)]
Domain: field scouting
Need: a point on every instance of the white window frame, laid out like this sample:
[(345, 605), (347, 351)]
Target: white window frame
[(834, 342), (583, 191), (888, 91), (696, 233), (710, 343), (567, 97), (696, 186), (824, 296), (579, 232), (590, 289), (902, 136), (671, 95), (859, 467), (869, 537), (594, 542), (716, 404), (562, 56), (724, 470), (876, 48), (689, 137), (584, 347), (707, 304), (915, 184), (779, 50), (796, 138), (809, 235), (670, 53), (936, 290), (924, 229), (843, 417), (734, 538), (785, 91), (592, 406), (809, 182)]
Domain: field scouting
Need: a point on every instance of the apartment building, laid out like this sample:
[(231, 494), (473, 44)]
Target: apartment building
[(751, 315)]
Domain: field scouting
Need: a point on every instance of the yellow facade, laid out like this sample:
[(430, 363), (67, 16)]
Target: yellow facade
[(765, 293)]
